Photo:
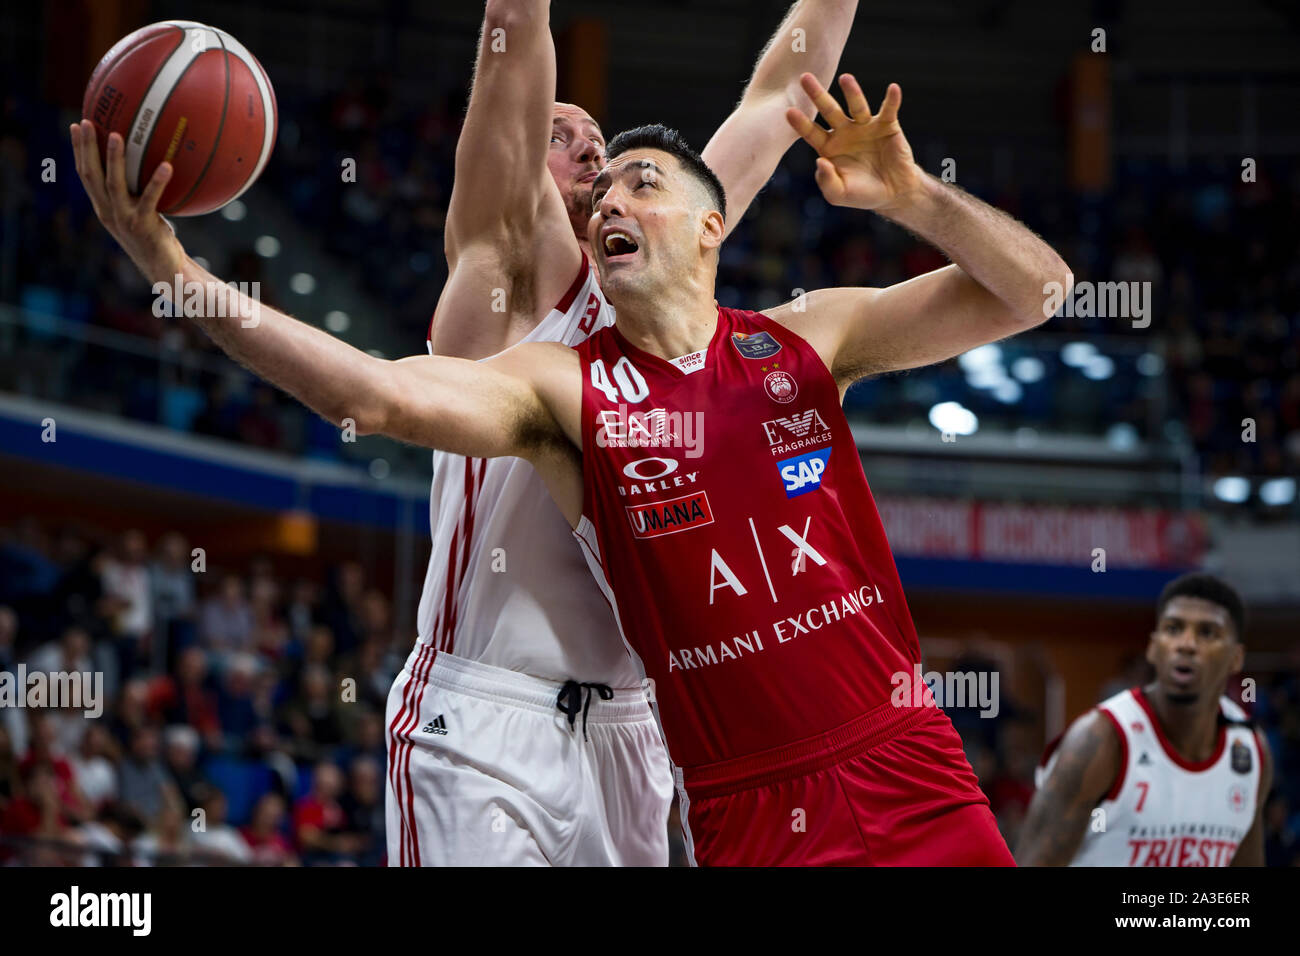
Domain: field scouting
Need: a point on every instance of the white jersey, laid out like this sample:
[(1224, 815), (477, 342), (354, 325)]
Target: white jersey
[(1164, 810), (507, 584)]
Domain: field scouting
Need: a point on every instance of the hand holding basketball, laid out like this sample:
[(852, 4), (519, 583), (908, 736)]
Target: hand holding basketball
[(864, 161), (134, 222)]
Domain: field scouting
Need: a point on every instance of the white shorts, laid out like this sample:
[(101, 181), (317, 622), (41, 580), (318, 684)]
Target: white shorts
[(485, 770)]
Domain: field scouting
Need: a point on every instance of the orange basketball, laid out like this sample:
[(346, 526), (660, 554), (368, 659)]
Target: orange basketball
[(193, 96)]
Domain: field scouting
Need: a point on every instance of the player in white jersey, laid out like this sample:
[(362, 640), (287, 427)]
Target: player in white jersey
[(519, 732), (1170, 774)]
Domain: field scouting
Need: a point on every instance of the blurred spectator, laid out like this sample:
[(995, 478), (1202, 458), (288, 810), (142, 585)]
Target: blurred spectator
[(94, 766), (236, 703), (265, 836), (216, 840), (1281, 843), (174, 598), (8, 769), (38, 812), (301, 612), (363, 809), (125, 580), (8, 637), (144, 784), (226, 621), (42, 754), (167, 841), (106, 837), (320, 826), (70, 654), (343, 607), (312, 719), (189, 699), (181, 756)]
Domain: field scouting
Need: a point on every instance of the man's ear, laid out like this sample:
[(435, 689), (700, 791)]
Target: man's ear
[(1238, 658), (1151, 649), (712, 229)]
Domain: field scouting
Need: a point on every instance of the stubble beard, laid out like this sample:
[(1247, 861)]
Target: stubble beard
[(579, 208)]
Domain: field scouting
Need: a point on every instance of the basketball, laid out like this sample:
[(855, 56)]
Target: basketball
[(191, 95)]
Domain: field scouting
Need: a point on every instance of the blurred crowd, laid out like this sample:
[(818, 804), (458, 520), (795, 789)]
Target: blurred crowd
[(242, 711), (1222, 256)]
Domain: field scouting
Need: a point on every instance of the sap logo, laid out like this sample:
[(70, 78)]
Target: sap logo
[(669, 517), (803, 473)]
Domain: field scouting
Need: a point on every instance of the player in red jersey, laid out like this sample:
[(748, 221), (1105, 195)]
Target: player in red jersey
[(803, 743)]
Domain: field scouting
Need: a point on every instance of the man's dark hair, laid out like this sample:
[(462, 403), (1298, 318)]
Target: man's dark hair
[(1208, 588), (660, 137)]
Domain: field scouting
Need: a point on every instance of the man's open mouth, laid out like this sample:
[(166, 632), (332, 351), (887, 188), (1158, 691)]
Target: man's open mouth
[(619, 245), (1184, 673)]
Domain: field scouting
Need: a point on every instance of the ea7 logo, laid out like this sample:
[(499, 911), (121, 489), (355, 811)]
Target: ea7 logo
[(798, 425), (803, 473)]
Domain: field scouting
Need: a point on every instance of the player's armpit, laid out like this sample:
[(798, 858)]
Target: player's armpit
[(524, 403), (1251, 850), (482, 409), (1085, 767)]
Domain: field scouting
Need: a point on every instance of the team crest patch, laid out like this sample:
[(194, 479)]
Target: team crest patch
[(1241, 760), (780, 387), (1236, 798), (759, 345)]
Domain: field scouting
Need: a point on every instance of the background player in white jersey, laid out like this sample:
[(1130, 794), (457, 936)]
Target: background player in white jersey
[(486, 763), (1170, 774)]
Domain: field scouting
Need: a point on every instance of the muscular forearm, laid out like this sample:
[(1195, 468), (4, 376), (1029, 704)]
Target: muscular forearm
[(326, 374), (995, 250), (1049, 836), (825, 26), (747, 147)]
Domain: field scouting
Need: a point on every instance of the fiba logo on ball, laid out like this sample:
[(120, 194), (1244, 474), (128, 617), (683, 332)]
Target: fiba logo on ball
[(780, 387)]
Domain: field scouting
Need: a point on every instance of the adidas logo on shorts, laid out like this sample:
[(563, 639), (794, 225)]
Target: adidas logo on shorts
[(436, 726)]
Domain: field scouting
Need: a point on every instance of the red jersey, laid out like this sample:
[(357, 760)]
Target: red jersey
[(727, 517)]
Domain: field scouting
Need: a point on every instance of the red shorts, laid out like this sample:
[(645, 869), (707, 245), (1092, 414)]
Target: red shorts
[(892, 788)]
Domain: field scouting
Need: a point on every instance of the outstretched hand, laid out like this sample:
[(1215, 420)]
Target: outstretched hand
[(133, 221), (863, 161)]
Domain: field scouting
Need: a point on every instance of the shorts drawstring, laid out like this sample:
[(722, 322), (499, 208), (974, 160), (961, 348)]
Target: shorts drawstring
[(570, 701)]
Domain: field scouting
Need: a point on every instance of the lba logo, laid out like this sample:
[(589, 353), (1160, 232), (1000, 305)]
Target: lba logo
[(803, 473)]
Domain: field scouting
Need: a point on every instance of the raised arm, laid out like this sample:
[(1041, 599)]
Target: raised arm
[(510, 248), (1083, 770), (510, 405), (501, 153), (749, 144), (996, 286)]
